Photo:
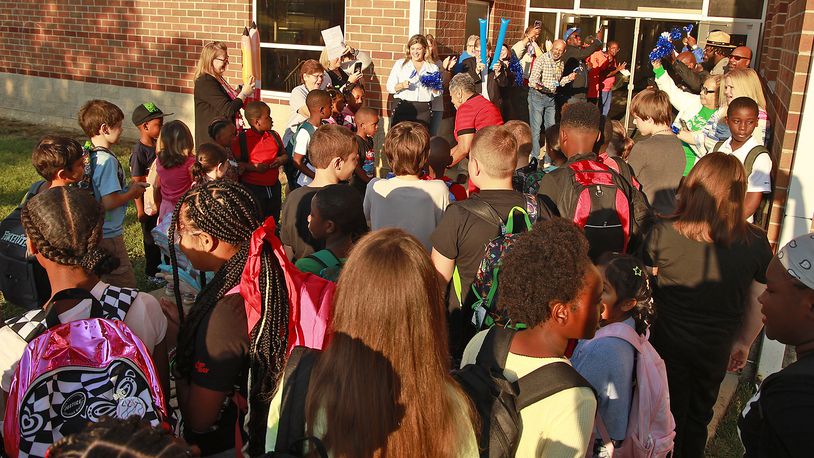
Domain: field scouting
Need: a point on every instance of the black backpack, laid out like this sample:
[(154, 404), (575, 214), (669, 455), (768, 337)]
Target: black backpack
[(599, 200), (22, 279), (499, 401), (761, 216)]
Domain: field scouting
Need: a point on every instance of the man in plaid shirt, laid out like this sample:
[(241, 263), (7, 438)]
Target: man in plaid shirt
[(545, 78)]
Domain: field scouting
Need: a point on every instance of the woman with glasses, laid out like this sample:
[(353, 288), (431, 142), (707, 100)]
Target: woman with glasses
[(214, 97), (313, 76), (696, 121)]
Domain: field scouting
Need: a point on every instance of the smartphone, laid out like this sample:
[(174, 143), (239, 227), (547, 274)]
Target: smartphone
[(357, 67), (538, 24), (683, 124)]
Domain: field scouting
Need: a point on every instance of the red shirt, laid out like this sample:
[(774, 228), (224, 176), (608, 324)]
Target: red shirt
[(263, 147), (475, 114)]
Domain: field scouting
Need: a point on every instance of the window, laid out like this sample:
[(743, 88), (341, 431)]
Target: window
[(645, 5), (567, 4), (474, 11), (289, 34), (745, 9), (548, 25)]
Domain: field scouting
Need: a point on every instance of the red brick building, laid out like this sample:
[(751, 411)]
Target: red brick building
[(54, 55)]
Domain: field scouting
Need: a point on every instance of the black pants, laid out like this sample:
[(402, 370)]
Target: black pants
[(269, 198), (152, 254)]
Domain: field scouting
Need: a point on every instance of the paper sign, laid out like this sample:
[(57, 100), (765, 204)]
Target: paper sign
[(334, 42)]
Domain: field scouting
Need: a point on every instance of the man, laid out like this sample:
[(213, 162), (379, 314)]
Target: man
[(474, 112), (574, 58), (716, 52), (545, 78), (602, 76), (741, 57)]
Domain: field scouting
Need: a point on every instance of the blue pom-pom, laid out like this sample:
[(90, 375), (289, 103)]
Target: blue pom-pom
[(516, 68), (664, 48), (676, 34), (688, 29), (432, 81)]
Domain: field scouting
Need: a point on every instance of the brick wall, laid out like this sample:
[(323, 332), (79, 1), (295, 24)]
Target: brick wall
[(785, 60), (143, 44)]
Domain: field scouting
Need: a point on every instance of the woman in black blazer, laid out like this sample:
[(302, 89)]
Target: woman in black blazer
[(214, 97)]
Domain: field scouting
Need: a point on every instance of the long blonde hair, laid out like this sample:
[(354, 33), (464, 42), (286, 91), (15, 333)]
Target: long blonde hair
[(208, 54), (388, 363), (745, 83)]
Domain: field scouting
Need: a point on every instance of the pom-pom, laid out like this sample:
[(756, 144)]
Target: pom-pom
[(688, 29), (663, 48), (516, 68), (676, 34), (432, 81)]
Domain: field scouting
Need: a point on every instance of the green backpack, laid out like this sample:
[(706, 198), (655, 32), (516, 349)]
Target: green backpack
[(331, 265)]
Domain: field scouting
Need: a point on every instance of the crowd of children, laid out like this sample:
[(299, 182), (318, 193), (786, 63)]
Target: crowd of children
[(433, 315)]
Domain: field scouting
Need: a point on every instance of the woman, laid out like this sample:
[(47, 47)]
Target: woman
[(695, 112), (333, 68), (709, 263), (214, 97), (312, 75), (437, 106), (413, 97), (391, 372)]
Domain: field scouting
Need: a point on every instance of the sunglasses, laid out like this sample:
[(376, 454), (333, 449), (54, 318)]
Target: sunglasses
[(707, 91)]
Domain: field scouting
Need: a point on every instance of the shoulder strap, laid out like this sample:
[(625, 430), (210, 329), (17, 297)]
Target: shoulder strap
[(296, 379), (32, 191), (325, 258), (532, 207), (279, 142), (718, 146), (482, 210), (495, 348), (28, 325), (116, 301), (751, 157), (547, 380), (244, 147), (621, 331)]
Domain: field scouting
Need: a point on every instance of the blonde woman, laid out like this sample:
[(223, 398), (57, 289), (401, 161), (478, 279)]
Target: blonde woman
[(413, 98), (214, 97)]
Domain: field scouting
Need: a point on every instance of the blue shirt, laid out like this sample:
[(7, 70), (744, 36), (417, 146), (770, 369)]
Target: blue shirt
[(108, 177), (459, 66)]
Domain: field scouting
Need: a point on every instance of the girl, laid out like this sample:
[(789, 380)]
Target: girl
[(213, 224), (392, 372), (708, 262), (609, 363), (211, 163), (338, 106), (174, 160), (131, 438), (63, 226), (337, 218), (223, 133)]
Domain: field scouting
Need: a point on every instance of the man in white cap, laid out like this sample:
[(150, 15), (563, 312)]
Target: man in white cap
[(574, 62), (777, 420), (716, 52)]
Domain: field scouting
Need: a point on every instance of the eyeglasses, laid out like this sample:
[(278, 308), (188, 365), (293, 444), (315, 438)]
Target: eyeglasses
[(738, 57), (225, 60), (707, 91)]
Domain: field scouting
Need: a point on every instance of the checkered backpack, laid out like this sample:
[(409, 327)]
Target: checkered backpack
[(74, 373)]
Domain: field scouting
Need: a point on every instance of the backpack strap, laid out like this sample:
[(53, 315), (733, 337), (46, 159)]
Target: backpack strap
[(116, 301), (548, 380), (495, 348), (28, 325), (35, 322), (718, 146), (280, 148), (296, 380), (623, 332), (244, 146), (482, 210), (751, 157), (326, 258), (32, 191)]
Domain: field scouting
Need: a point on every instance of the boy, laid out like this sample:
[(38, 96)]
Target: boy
[(367, 123), (319, 107), (460, 237), (149, 119), (59, 160), (742, 118), (333, 154), (548, 282), (260, 152), (437, 163), (102, 123), (658, 162), (525, 167)]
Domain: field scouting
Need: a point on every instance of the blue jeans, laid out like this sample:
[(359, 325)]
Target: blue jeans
[(606, 99), (542, 109)]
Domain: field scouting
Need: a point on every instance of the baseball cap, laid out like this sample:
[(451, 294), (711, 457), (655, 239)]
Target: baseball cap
[(570, 32), (146, 112)]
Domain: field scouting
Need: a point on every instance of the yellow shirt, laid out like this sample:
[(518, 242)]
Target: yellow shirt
[(558, 426)]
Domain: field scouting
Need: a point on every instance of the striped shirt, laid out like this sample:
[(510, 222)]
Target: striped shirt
[(546, 74)]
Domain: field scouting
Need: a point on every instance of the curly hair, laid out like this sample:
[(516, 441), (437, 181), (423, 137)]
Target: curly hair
[(545, 265), (342, 204), (580, 116), (228, 212), (64, 224), (629, 278), (131, 438)]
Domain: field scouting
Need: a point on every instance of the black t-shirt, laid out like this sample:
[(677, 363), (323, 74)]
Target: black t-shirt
[(221, 363), (701, 290), (777, 421), (461, 235), (294, 222), (141, 159)]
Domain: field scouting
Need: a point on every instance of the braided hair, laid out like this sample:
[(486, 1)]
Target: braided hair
[(228, 212), (630, 280), (64, 224), (131, 438)]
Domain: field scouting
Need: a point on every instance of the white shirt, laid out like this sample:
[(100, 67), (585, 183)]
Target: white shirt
[(760, 180), (145, 318), (301, 148), (297, 101), (417, 92), (413, 205)]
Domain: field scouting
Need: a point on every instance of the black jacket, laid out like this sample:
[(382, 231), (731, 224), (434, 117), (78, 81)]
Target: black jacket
[(493, 84), (572, 57), (694, 81), (211, 102)]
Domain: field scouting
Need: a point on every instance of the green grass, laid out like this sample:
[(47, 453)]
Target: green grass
[(726, 443), (17, 140)]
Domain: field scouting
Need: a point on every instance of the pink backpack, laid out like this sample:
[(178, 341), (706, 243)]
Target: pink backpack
[(310, 296), (74, 373), (650, 426)]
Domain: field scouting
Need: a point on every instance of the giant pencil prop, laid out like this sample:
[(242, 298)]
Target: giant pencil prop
[(504, 24), (247, 58), (254, 37)]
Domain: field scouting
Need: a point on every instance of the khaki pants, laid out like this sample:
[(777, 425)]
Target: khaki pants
[(123, 276)]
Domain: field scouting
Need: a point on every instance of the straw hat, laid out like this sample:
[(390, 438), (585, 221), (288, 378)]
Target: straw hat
[(720, 39)]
